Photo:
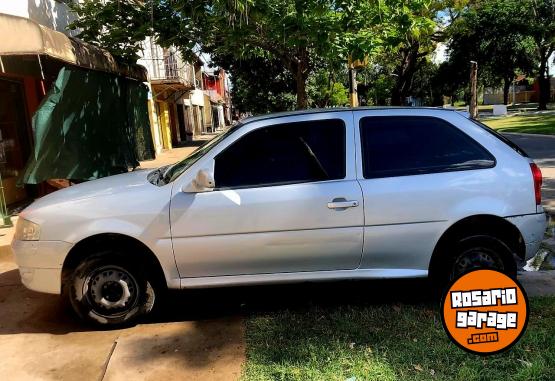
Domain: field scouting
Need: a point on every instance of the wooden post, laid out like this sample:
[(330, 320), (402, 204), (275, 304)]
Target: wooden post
[(353, 96), (473, 109)]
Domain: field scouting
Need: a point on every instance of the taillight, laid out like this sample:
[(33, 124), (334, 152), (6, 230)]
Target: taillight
[(537, 175)]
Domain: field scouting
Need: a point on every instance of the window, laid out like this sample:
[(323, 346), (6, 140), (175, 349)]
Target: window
[(282, 154), (401, 146)]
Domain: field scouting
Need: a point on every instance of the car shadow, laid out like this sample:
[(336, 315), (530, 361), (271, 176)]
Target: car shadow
[(25, 311), (245, 301)]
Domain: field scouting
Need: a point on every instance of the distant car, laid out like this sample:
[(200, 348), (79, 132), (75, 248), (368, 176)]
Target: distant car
[(303, 196)]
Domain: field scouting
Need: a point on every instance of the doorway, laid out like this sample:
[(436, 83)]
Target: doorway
[(15, 139)]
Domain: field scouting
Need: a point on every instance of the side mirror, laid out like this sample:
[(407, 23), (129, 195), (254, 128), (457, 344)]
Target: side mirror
[(203, 182)]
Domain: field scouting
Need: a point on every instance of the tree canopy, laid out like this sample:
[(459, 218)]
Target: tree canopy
[(492, 33), (285, 49)]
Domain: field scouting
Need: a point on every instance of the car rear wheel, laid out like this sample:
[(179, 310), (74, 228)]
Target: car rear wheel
[(481, 252), (107, 290)]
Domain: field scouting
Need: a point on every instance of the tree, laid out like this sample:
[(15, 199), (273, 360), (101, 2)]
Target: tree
[(540, 26), (299, 33), (416, 38), (259, 85), (120, 26), (491, 33), (324, 90)]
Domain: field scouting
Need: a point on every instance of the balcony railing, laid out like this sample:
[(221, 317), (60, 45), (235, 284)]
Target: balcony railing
[(171, 69)]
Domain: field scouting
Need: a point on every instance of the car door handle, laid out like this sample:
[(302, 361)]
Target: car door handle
[(342, 204)]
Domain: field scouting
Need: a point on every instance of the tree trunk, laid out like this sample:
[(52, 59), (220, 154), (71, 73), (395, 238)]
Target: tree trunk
[(506, 89), (405, 73), (473, 105), (302, 97), (543, 82), (301, 76)]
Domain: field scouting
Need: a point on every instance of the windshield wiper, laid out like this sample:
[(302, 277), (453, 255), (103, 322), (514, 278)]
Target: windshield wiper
[(156, 177)]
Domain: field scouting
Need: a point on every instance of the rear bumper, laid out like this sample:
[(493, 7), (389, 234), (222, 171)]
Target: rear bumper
[(40, 264), (532, 228)]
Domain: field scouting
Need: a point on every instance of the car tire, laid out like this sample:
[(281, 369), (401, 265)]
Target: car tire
[(480, 252), (109, 290)]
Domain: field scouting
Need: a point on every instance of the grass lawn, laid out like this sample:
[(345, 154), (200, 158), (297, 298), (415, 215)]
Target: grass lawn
[(531, 124), (388, 342)]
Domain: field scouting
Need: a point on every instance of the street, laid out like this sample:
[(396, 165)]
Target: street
[(542, 149)]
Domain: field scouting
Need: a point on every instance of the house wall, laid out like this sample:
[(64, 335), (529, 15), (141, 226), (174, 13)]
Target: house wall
[(164, 120), (207, 113), (53, 14), (520, 97), (215, 82)]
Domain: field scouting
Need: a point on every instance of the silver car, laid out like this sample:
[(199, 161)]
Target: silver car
[(302, 196)]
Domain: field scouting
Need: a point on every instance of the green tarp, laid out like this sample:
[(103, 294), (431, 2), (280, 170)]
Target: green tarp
[(91, 124)]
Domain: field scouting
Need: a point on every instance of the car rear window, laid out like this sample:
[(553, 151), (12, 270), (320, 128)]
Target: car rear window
[(411, 145), (501, 137)]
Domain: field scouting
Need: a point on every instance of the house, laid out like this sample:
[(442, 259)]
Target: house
[(171, 79), (216, 84), (185, 101), (521, 91)]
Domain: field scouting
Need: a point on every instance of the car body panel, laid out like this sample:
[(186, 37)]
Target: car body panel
[(405, 216), (305, 276), (124, 204), (40, 263), (270, 229), (532, 227)]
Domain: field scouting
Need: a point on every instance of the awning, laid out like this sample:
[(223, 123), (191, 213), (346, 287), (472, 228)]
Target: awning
[(22, 37)]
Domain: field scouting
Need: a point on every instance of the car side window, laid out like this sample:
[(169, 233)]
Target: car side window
[(402, 146), (284, 154)]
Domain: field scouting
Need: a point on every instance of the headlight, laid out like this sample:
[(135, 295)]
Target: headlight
[(26, 230)]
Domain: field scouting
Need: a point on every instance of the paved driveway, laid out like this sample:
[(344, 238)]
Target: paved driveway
[(40, 340), (542, 149)]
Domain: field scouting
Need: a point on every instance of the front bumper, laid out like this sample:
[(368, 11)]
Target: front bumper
[(40, 264), (532, 228)]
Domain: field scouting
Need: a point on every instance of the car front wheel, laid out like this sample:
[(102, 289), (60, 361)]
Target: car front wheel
[(107, 290)]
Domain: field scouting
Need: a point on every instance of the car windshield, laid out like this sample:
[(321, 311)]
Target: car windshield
[(172, 172)]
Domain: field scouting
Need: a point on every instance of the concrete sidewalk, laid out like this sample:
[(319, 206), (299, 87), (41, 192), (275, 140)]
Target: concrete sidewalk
[(41, 340), (177, 153)]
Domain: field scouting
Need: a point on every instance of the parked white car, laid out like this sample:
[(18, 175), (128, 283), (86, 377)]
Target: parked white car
[(302, 196)]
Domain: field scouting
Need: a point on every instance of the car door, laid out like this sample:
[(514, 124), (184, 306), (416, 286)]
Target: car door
[(286, 199), (418, 171)]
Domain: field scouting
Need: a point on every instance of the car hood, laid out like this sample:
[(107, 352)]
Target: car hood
[(126, 182)]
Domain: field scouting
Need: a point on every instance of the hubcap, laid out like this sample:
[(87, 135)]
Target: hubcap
[(476, 259), (112, 290)]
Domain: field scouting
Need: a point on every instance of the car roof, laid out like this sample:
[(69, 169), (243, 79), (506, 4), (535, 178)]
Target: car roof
[(335, 109)]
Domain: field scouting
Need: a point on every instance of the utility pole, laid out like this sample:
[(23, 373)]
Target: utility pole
[(353, 95), (514, 91), (473, 109)]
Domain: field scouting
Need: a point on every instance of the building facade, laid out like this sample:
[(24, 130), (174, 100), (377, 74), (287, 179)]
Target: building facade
[(185, 100)]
